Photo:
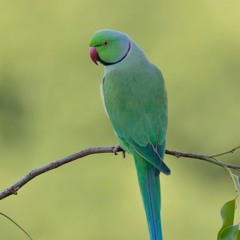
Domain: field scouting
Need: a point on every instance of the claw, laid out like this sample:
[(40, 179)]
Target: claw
[(119, 149)]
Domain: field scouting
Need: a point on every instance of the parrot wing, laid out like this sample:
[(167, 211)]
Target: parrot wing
[(136, 103)]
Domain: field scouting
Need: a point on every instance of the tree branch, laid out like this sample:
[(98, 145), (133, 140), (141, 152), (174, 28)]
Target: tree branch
[(12, 190), (209, 158)]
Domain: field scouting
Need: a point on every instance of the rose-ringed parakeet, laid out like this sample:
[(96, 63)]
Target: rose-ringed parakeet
[(135, 100)]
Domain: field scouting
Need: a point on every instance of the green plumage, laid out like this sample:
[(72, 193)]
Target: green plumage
[(135, 100)]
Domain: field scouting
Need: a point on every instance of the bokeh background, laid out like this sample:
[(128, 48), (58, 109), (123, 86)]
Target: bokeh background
[(50, 107)]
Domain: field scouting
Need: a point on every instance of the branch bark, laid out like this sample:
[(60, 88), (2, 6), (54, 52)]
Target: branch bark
[(13, 190)]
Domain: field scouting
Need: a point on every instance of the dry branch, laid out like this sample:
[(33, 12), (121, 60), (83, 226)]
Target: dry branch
[(12, 190)]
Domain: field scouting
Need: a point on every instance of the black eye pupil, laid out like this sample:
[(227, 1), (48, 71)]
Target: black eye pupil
[(105, 43)]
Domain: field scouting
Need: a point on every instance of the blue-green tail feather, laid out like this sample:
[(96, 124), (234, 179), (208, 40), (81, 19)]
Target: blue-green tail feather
[(150, 190)]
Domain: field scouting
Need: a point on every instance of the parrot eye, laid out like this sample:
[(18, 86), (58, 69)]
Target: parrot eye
[(106, 43)]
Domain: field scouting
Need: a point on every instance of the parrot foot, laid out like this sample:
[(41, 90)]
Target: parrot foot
[(119, 149)]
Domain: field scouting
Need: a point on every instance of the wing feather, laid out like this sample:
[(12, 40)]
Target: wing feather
[(136, 103)]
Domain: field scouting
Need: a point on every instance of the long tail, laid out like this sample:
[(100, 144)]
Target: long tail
[(150, 189)]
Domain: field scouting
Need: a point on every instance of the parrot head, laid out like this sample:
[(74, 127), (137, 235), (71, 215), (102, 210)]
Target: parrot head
[(109, 46)]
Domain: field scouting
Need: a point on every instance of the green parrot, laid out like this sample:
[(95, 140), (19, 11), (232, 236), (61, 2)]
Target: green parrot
[(135, 100)]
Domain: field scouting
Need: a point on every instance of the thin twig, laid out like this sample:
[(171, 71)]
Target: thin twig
[(15, 223), (234, 180), (208, 158), (12, 190), (226, 152)]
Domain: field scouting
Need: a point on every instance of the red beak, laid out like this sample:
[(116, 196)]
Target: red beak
[(93, 54)]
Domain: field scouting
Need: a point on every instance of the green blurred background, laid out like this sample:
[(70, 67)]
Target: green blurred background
[(50, 107)]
